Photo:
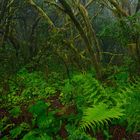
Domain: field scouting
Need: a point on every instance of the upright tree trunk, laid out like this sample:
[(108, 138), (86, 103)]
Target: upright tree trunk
[(93, 55)]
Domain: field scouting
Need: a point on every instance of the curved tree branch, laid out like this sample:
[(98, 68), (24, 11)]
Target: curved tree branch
[(41, 12)]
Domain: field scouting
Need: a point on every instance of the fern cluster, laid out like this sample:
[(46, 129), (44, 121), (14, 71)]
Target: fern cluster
[(25, 87), (83, 104), (132, 105), (99, 115), (97, 104)]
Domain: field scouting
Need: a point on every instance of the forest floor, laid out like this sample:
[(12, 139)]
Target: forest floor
[(117, 131)]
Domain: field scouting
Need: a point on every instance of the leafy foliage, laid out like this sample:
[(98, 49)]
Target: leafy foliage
[(18, 130), (15, 112), (77, 134), (27, 86), (122, 30), (85, 91), (132, 106), (69, 69), (99, 115)]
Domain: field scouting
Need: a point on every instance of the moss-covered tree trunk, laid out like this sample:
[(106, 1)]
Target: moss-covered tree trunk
[(93, 54)]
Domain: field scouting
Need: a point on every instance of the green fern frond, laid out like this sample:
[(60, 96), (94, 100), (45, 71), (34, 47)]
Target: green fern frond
[(99, 115), (131, 95)]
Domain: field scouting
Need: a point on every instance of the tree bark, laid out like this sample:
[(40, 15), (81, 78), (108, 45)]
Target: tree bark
[(93, 55)]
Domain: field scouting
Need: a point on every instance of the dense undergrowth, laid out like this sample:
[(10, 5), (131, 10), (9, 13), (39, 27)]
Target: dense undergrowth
[(34, 107), (69, 69)]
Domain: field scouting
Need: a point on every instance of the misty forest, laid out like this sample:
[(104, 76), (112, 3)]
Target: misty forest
[(69, 69)]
